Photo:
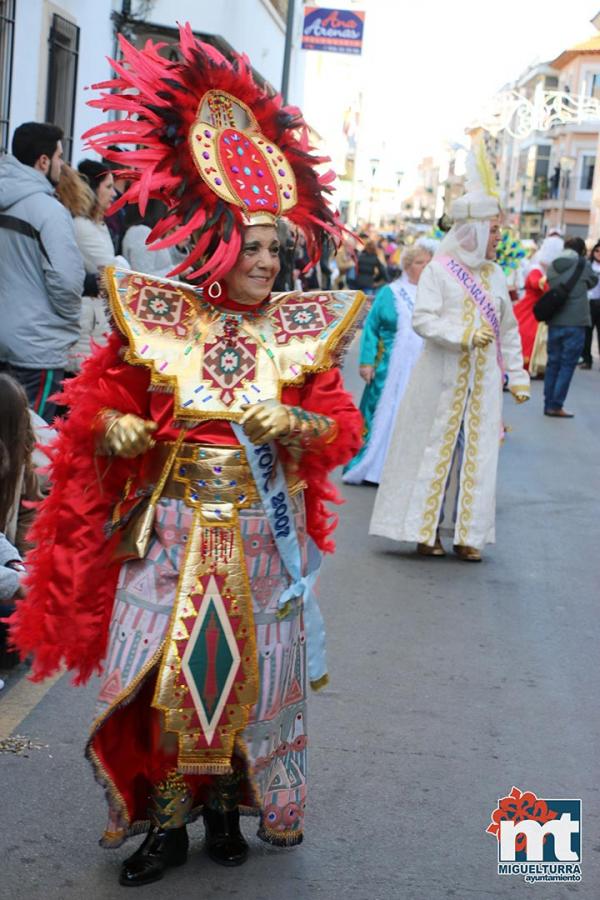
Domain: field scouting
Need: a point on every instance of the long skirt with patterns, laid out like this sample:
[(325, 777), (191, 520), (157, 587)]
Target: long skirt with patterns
[(126, 747)]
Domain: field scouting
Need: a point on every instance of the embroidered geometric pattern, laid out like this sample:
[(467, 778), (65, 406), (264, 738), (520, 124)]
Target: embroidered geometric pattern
[(171, 802), (208, 704), (274, 742), (159, 307), (276, 739), (214, 366), (308, 429), (143, 603), (299, 317), (211, 660), (227, 368)]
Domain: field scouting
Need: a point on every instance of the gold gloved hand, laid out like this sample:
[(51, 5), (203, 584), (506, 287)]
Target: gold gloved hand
[(125, 434), (265, 422), (483, 336)]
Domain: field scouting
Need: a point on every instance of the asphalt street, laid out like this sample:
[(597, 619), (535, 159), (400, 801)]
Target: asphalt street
[(450, 683)]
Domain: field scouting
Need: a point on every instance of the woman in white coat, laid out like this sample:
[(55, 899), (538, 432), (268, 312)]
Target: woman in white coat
[(440, 472), (96, 246), (389, 349), (141, 256)]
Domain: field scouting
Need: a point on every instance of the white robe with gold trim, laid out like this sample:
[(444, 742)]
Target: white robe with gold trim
[(452, 383)]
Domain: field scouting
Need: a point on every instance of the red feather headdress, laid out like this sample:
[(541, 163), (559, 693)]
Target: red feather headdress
[(215, 147)]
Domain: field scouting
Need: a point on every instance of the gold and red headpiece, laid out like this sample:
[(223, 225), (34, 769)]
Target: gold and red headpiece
[(219, 150), (239, 163)]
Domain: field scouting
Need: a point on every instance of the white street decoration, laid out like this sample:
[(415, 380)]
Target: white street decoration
[(519, 116)]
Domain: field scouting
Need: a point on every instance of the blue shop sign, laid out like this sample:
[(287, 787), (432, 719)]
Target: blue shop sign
[(333, 30)]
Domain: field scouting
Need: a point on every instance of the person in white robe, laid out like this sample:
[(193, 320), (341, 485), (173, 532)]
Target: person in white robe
[(440, 472), (389, 323)]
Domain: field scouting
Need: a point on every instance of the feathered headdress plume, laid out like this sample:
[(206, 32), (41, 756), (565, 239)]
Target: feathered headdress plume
[(219, 150), (481, 200), (480, 173)]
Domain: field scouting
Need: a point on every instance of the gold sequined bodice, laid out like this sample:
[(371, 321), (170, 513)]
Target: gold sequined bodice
[(186, 342)]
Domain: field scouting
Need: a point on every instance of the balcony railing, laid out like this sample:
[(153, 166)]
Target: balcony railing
[(572, 196)]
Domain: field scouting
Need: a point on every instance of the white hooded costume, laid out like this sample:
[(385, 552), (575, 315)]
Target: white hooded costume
[(440, 471)]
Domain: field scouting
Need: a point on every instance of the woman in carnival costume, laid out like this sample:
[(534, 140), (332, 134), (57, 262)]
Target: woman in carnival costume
[(533, 333), (389, 349), (178, 550), (440, 471)]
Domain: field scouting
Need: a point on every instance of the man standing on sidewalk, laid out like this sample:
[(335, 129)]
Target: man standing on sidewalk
[(42, 268), (566, 330), (594, 298)]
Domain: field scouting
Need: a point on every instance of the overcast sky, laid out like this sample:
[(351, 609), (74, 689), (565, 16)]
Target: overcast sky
[(427, 67)]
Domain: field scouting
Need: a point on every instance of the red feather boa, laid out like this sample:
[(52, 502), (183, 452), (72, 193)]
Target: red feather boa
[(71, 580)]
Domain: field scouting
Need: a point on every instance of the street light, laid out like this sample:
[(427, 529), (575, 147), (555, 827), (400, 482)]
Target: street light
[(567, 164), (399, 177), (522, 204), (374, 163), (287, 50)]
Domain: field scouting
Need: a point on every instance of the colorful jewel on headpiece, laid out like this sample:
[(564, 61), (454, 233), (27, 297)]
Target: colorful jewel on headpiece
[(215, 147), (238, 162)]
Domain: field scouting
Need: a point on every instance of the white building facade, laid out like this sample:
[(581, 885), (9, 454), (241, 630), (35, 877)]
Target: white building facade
[(50, 52), (524, 164)]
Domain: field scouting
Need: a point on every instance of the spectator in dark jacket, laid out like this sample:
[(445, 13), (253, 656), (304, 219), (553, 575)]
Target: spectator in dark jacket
[(594, 298), (287, 245), (116, 222), (12, 573), (566, 330), (370, 271), (42, 268), (305, 270)]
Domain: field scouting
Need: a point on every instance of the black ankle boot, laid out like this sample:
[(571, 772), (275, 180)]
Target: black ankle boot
[(225, 842), (160, 850), (166, 843)]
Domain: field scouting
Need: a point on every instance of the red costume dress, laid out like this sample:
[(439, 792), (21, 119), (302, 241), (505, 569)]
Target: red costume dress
[(535, 285), (167, 572), (92, 612)]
